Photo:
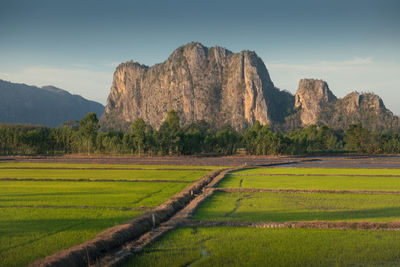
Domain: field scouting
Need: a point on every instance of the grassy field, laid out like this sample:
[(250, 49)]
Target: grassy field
[(95, 165), (312, 182), (27, 234), (279, 207), (38, 218), (185, 175), (91, 194), (329, 171), (229, 246)]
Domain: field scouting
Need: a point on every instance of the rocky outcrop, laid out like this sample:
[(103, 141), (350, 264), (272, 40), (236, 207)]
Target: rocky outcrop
[(311, 97), (200, 83), (221, 87), (49, 106), (365, 108)]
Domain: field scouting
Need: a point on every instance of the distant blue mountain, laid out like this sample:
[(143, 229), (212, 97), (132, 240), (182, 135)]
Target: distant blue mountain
[(49, 105)]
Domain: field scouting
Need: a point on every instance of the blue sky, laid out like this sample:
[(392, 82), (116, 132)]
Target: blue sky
[(76, 45)]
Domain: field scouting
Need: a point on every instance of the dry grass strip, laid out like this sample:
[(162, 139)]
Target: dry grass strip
[(390, 226)]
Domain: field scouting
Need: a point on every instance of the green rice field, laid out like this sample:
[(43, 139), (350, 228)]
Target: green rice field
[(47, 207), (102, 166), (184, 175), (234, 246), (91, 194), (247, 246), (329, 171), (312, 182), (38, 218), (281, 207)]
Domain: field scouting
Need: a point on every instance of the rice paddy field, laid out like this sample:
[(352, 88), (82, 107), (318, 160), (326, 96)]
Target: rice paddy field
[(47, 207), (279, 195), (233, 246)]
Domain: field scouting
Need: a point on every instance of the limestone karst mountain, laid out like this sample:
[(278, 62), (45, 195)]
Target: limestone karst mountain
[(311, 97), (222, 87), (356, 107), (50, 106), (200, 83)]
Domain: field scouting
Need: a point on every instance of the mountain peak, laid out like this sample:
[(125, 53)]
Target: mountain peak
[(200, 83), (49, 105), (311, 97)]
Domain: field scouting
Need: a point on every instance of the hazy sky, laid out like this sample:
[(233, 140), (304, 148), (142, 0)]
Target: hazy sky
[(76, 45)]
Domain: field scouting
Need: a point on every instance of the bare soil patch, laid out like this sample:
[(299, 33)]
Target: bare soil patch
[(390, 226)]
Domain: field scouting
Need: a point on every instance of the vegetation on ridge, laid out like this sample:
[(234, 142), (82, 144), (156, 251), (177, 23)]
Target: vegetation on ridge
[(196, 138)]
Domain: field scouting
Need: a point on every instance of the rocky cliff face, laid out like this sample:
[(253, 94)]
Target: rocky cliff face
[(311, 97), (221, 87), (200, 83), (365, 108)]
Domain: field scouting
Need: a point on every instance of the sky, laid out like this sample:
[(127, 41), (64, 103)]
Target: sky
[(76, 45)]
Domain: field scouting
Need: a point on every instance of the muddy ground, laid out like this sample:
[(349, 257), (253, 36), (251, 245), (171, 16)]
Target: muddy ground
[(352, 161)]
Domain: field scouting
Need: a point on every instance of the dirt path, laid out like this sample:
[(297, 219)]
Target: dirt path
[(255, 190)]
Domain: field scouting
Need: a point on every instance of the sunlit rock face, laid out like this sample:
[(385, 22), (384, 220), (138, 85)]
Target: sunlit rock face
[(200, 83), (311, 97)]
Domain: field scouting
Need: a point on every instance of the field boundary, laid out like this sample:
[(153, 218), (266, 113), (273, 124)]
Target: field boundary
[(310, 174), (340, 225), (305, 191)]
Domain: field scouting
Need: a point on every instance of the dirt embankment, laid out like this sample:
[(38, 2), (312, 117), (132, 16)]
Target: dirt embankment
[(390, 226)]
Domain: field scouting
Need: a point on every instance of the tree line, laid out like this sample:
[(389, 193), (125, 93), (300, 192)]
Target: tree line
[(197, 138)]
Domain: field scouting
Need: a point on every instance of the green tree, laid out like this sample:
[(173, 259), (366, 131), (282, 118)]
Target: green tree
[(138, 134), (359, 139), (88, 128), (171, 134)]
